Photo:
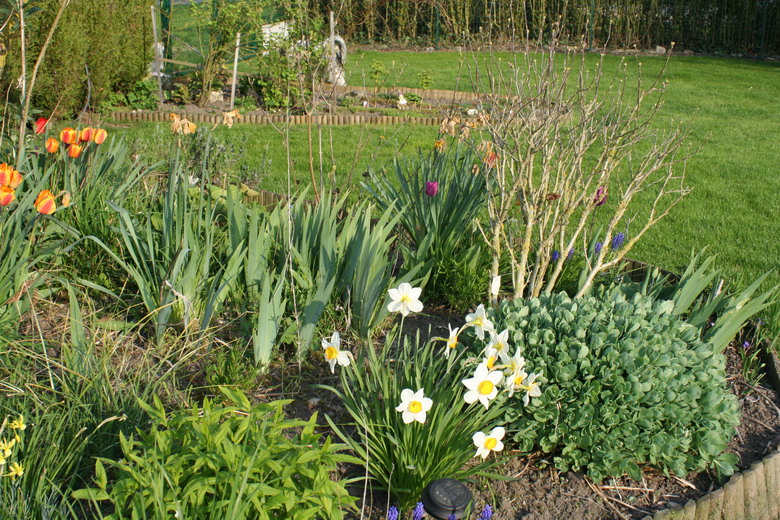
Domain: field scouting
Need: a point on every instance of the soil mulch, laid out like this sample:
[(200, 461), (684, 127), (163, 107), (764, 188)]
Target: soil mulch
[(538, 491)]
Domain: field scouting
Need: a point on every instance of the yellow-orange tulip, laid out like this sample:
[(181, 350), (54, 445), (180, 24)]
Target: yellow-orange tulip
[(74, 150), (44, 203), (100, 136), (52, 145), (7, 195), (87, 134), (9, 176), (69, 135)]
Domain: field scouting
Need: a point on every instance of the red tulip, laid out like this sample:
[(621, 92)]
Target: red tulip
[(100, 136), (87, 134), (40, 125), (7, 195), (74, 150), (69, 135), (44, 203), (431, 188), (52, 145)]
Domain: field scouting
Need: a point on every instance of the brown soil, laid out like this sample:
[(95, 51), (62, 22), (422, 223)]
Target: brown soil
[(540, 492)]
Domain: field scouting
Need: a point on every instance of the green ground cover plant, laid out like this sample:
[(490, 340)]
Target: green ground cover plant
[(599, 411)]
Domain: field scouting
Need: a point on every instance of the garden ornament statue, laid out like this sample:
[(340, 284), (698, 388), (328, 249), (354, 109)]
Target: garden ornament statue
[(276, 34)]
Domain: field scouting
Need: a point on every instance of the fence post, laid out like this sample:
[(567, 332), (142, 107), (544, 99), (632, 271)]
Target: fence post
[(235, 73)]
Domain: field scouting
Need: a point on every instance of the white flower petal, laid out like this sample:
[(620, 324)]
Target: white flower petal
[(427, 403), (497, 433), (415, 306), (407, 417), (415, 293), (394, 306), (407, 395)]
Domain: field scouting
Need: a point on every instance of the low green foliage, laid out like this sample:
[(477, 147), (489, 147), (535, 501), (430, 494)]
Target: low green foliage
[(626, 382), (224, 461), (404, 458)]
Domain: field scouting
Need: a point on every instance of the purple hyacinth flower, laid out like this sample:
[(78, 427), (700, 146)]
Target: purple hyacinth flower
[(431, 188), (617, 241), (452, 517), (487, 513), (419, 511), (555, 255), (392, 513), (598, 247), (571, 254), (746, 345)]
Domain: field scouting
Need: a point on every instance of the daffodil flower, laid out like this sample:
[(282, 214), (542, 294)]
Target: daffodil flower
[(531, 388), (515, 381), (6, 447), (499, 342), (15, 470), (483, 386), (479, 321), (512, 364), (405, 299), (490, 442), (491, 356), (333, 353), (414, 405), (18, 424)]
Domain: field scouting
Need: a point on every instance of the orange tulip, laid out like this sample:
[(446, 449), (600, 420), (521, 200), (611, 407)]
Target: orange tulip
[(69, 135), (52, 145), (9, 176), (87, 134), (100, 136), (7, 195), (74, 150), (44, 203)]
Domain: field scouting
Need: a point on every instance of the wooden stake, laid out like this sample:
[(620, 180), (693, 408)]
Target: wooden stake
[(332, 61), (235, 73)]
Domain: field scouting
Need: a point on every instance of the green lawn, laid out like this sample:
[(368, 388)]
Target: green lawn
[(730, 107)]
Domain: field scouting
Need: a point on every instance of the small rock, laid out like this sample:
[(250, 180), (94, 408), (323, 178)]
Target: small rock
[(429, 49), (660, 50), (688, 52), (313, 402), (216, 96)]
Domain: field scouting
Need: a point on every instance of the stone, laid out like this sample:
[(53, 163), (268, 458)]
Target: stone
[(660, 50)]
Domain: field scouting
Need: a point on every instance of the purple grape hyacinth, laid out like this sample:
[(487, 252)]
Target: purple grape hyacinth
[(598, 247), (419, 511), (555, 255), (392, 513), (617, 241), (487, 513)]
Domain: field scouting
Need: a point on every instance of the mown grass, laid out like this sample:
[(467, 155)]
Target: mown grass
[(729, 107)]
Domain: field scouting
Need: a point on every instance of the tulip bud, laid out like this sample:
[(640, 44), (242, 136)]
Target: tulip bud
[(100, 136), (74, 150), (431, 188), (601, 196), (69, 135), (87, 134), (52, 145), (7, 195), (40, 125), (44, 203)]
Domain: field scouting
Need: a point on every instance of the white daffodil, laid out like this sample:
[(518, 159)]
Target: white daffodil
[(513, 364), (499, 342), (491, 356), (531, 388), (495, 285), (414, 405), (452, 341), (482, 387), (490, 442), (405, 299), (333, 353), (479, 321), (515, 381)]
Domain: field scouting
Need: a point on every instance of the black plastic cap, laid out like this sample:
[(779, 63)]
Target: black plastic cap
[(446, 496)]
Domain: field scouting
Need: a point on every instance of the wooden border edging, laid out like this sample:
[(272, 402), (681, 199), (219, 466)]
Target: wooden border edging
[(267, 119)]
